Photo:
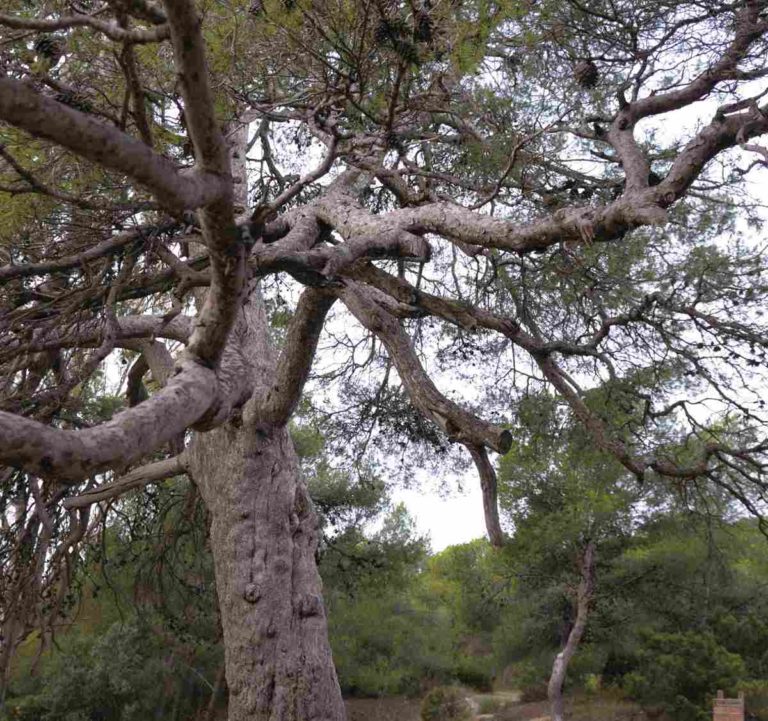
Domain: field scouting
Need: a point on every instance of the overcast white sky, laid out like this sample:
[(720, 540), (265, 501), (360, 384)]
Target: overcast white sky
[(457, 518)]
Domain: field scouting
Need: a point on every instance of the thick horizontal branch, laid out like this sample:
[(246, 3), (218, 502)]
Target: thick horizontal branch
[(577, 224), (127, 329), (43, 117), (111, 29), (71, 456), (137, 478), (367, 235), (639, 206), (644, 206)]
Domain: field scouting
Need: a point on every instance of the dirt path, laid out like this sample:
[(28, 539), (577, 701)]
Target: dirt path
[(382, 709), (508, 708)]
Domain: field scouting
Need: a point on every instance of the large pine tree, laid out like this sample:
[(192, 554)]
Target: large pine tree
[(508, 194)]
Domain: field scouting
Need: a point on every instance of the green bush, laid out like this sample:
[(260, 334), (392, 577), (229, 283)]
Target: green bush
[(388, 645), (588, 661), (756, 699), (445, 703), (473, 672), (489, 705), (592, 683), (26, 708), (126, 675), (681, 671)]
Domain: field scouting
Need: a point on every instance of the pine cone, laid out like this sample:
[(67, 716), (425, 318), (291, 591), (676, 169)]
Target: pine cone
[(586, 74), (423, 32), (77, 100), (382, 33), (49, 47)]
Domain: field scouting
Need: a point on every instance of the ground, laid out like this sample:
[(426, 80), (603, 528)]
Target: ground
[(382, 709), (507, 708)]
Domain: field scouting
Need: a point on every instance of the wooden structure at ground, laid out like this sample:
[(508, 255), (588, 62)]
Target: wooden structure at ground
[(728, 709)]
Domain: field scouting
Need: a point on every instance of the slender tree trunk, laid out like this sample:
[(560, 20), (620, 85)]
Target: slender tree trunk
[(7, 648), (216, 694), (263, 536), (560, 665)]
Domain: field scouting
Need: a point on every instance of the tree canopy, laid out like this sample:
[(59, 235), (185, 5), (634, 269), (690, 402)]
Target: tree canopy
[(452, 206)]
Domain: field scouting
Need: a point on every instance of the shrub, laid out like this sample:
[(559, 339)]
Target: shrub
[(756, 699), (489, 705), (534, 692), (388, 645), (680, 671), (473, 673), (28, 708), (445, 703), (592, 683), (126, 675)]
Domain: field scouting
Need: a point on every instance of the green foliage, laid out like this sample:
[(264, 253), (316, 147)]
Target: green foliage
[(123, 676), (474, 672), (445, 703), (755, 699), (681, 671), (467, 579), (385, 640), (489, 705), (389, 644), (682, 588), (592, 683)]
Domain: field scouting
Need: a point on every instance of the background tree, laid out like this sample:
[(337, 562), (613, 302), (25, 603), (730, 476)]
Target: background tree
[(573, 509), (666, 571), (480, 183)]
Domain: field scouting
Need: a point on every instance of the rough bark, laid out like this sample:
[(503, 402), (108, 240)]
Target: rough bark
[(21, 106), (130, 435), (264, 534), (560, 665)]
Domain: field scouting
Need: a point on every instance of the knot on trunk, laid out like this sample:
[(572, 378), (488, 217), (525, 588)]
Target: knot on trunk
[(310, 604), (252, 593)]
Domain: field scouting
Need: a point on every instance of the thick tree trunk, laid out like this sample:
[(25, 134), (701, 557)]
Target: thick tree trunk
[(560, 665), (263, 536)]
